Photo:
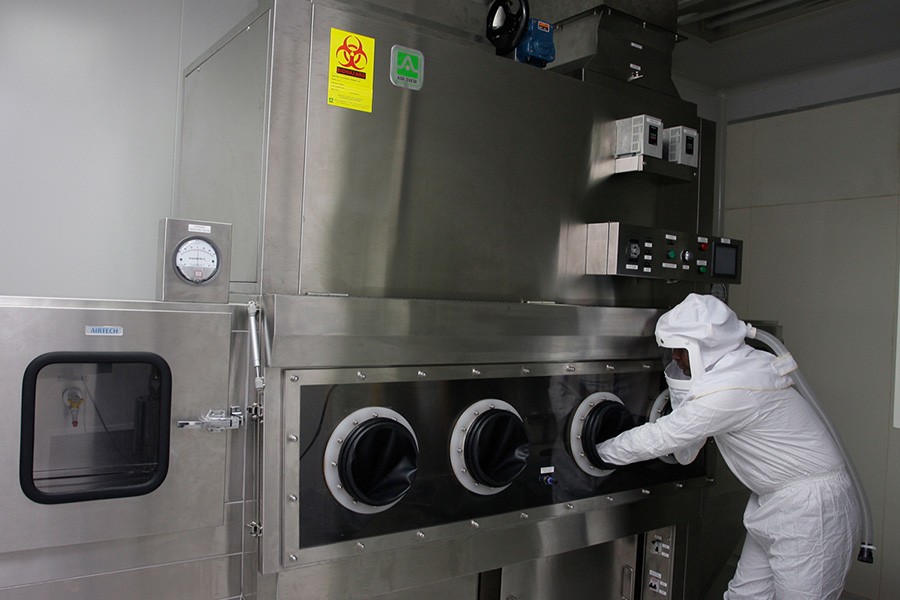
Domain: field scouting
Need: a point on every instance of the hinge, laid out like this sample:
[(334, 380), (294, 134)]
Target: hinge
[(255, 528), (255, 411)]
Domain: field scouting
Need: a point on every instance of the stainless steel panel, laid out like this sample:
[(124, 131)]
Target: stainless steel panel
[(461, 20), (311, 332), (41, 566), (286, 148), (397, 204), (464, 549), (192, 494), (227, 130), (271, 474), (458, 588), (331, 582), (607, 570), (209, 579), (241, 453)]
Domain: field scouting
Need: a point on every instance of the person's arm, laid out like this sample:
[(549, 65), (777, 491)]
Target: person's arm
[(683, 431)]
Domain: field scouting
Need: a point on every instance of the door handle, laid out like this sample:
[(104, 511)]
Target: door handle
[(627, 582), (216, 420)]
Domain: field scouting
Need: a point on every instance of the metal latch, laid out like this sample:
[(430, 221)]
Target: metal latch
[(255, 528), (216, 420)]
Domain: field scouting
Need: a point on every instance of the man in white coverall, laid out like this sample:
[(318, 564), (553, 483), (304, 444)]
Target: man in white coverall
[(802, 515)]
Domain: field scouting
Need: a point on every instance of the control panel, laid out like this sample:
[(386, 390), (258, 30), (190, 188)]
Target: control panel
[(658, 550), (636, 251)]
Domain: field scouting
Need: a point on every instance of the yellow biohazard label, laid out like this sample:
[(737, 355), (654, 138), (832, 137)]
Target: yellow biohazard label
[(350, 78)]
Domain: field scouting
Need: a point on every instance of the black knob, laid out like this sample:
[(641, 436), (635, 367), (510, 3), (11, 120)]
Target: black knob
[(506, 23)]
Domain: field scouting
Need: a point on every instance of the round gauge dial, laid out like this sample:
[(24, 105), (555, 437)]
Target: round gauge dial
[(197, 260)]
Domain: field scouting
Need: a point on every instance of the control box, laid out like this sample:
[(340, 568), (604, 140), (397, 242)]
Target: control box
[(636, 251), (641, 134), (681, 145), (659, 546)]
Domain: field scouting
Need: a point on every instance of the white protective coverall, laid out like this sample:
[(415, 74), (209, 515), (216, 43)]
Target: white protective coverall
[(802, 516)]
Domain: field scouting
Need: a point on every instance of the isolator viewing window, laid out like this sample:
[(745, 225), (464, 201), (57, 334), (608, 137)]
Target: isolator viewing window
[(94, 425)]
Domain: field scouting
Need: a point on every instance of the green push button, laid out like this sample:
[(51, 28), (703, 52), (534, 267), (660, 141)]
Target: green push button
[(702, 269), (670, 254)]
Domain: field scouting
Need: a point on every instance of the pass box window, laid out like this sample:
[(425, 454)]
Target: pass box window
[(94, 425)]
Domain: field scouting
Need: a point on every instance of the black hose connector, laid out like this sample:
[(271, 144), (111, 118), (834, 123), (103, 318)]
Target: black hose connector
[(866, 553)]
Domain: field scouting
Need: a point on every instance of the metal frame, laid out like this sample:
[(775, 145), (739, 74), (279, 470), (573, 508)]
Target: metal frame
[(293, 555)]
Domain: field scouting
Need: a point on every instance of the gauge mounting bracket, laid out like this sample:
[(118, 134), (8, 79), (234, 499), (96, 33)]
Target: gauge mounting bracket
[(194, 261)]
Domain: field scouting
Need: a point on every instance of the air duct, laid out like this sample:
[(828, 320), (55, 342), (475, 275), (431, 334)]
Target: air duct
[(624, 39)]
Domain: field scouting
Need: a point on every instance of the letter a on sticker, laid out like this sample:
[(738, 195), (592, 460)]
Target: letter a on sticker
[(409, 65)]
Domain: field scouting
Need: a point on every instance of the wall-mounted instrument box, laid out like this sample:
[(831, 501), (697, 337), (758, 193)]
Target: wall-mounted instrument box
[(681, 145), (641, 134)]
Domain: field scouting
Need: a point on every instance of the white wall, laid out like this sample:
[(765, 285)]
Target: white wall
[(815, 195), (89, 107), (833, 53)]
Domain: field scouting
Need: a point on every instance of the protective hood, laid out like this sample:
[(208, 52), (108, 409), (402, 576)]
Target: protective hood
[(714, 338), (705, 326)]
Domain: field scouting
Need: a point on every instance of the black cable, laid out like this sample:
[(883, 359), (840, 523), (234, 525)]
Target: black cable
[(315, 436)]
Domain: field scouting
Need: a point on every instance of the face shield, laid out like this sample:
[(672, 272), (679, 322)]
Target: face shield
[(696, 334), (683, 361), (677, 357), (677, 371)]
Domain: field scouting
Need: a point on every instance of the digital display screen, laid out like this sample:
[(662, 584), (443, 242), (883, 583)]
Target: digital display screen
[(725, 260), (653, 135), (689, 144)]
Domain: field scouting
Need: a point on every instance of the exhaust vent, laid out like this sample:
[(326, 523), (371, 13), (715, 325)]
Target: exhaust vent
[(633, 46)]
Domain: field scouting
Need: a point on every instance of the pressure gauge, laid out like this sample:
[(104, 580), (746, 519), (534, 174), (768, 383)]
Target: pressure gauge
[(197, 260), (194, 261)]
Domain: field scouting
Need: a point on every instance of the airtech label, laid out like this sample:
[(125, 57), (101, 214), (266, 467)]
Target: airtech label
[(350, 66), (407, 68), (104, 330)]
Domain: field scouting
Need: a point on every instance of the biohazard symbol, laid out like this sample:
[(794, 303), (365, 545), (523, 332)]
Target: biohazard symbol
[(351, 54)]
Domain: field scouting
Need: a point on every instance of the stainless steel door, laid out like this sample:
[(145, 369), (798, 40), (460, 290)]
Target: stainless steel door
[(193, 343), (607, 570)]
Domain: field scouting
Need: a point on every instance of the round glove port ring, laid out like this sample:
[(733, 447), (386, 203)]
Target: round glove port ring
[(370, 460), (471, 435), (578, 422), (660, 408)]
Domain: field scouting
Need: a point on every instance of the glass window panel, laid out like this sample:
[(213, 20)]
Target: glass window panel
[(94, 425)]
